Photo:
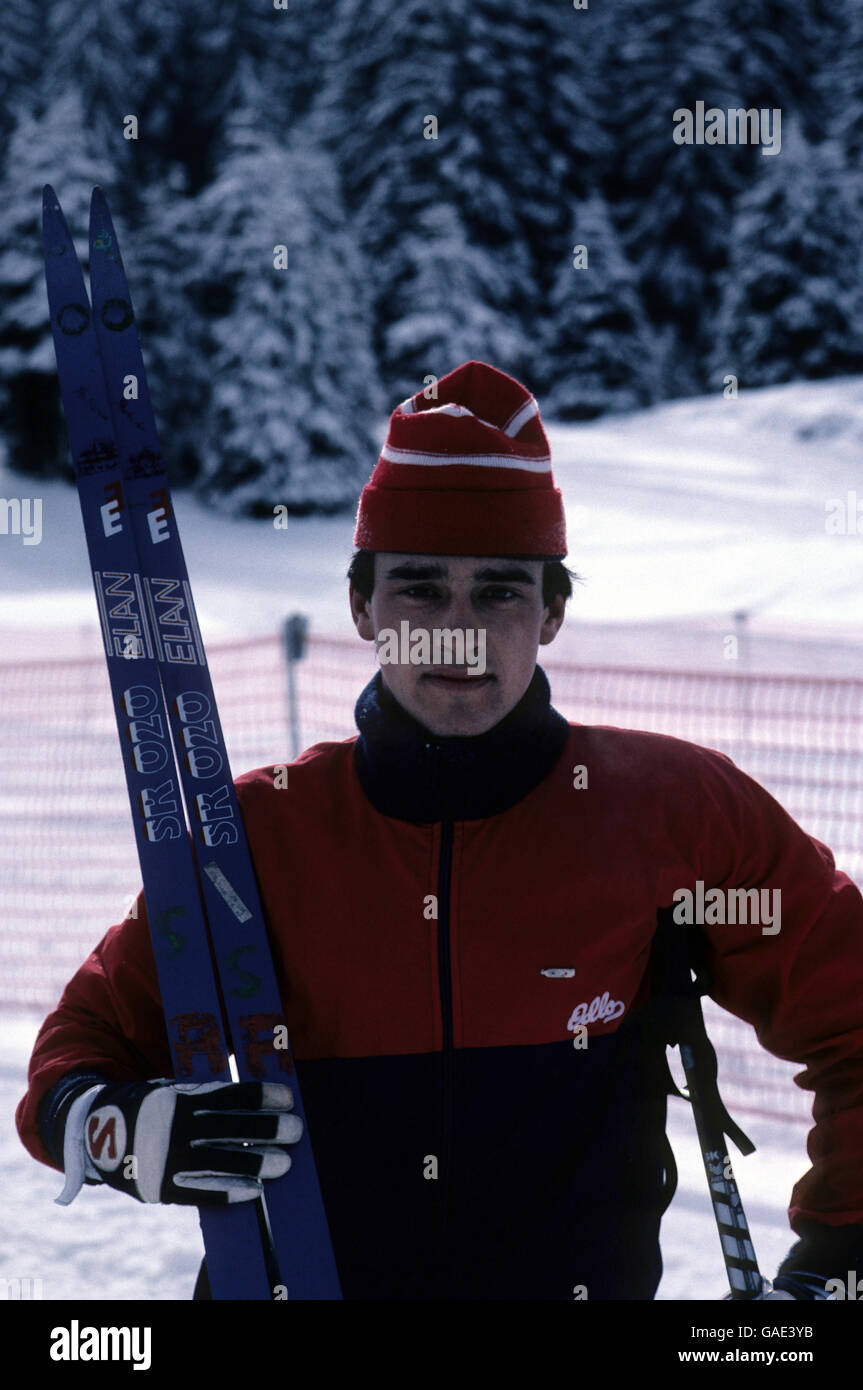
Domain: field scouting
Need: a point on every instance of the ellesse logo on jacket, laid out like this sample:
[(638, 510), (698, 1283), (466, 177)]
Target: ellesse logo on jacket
[(601, 1009)]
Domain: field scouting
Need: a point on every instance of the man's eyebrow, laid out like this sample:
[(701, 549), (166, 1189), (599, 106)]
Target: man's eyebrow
[(414, 571), (512, 574)]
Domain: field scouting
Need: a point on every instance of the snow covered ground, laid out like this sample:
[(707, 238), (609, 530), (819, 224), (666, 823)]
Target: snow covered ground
[(678, 516)]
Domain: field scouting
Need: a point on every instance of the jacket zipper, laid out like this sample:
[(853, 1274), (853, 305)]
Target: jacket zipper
[(447, 1058)]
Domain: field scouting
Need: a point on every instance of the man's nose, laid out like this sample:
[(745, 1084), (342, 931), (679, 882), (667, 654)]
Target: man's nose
[(460, 611)]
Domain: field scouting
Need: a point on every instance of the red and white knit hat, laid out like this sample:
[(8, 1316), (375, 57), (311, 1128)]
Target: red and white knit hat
[(467, 473)]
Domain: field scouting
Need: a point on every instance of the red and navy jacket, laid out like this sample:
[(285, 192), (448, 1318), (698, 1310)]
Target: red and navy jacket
[(443, 913)]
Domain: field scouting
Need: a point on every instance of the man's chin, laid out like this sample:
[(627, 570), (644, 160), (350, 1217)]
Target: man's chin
[(449, 706)]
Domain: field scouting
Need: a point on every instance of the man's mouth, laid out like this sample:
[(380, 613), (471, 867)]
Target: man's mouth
[(458, 679)]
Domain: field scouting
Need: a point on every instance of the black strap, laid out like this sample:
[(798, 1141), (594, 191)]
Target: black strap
[(673, 1014)]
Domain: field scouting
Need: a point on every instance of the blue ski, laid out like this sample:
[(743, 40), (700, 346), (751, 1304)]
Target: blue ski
[(150, 630)]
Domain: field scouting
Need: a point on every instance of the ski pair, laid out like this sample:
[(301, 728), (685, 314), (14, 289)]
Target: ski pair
[(162, 693)]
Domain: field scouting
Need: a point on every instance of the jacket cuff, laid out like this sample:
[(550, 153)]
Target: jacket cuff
[(54, 1108)]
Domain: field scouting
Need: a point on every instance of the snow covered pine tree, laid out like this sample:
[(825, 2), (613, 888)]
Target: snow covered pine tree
[(462, 900)]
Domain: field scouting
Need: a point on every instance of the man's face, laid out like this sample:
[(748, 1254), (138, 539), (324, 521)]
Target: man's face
[(500, 598)]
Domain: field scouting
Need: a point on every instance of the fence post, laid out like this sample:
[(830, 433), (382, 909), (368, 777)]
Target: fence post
[(294, 634)]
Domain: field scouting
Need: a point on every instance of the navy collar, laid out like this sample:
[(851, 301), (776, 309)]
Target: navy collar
[(414, 775)]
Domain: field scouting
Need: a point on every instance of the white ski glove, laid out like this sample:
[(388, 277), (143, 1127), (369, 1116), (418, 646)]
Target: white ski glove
[(161, 1141)]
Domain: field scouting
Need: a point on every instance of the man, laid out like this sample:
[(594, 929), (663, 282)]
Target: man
[(461, 904)]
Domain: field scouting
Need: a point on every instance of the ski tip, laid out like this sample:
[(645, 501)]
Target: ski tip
[(99, 204), (55, 233), (102, 233)]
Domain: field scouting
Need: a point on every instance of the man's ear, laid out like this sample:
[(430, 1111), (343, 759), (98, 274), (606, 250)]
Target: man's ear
[(553, 620), (361, 612)]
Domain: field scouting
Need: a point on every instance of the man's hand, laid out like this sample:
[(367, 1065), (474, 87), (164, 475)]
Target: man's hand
[(202, 1145)]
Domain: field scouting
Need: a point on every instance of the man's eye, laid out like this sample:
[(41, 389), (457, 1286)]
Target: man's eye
[(419, 591), (499, 594)]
